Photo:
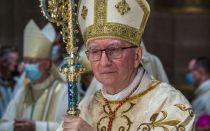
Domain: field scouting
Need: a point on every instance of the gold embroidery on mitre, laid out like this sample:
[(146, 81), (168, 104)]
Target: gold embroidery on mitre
[(122, 7), (100, 12), (84, 12), (184, 108), (161, 123), (102, 28)]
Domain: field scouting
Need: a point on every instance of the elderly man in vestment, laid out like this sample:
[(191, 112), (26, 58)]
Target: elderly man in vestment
[(9, 75), (130, 98), (38, 106)]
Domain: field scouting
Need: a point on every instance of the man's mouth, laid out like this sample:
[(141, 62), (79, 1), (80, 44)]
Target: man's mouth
[(107, 72)]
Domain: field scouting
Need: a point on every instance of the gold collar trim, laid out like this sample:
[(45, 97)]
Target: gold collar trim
[(154, 85)]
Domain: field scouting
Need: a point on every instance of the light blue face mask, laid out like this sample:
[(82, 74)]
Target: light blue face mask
[(32, 71), (189, 78)]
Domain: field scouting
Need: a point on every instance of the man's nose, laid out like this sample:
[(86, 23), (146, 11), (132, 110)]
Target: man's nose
[(105, 60)]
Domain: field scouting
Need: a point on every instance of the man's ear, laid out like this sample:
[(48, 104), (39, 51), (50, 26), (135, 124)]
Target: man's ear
[(138, 56)]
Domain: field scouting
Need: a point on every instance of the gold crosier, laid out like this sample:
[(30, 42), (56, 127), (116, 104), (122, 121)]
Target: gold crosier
[(63, 13)]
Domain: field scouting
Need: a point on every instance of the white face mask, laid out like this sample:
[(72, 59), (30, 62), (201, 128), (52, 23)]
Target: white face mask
[(55, 52)]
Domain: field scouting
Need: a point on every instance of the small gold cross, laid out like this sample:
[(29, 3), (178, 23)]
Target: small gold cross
[(84, 12), (122, 7)]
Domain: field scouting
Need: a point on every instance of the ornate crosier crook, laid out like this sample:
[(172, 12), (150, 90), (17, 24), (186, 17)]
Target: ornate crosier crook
[(63, 13)]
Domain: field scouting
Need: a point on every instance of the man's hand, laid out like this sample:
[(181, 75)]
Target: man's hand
[(24, 125), (73, 123)]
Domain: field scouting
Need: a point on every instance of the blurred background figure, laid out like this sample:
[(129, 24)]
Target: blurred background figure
[(84, 81), (200, 69), (40, 104), (189, 77), (58, 51), (9, 74)]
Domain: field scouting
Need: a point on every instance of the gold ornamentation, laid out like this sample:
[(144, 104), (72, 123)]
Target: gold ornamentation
[(102, 28), (184, 108), (129, 123), (130, 107), (105, 108), (154, 85), (100, 10), (103, 128), (161, 123), (121, 128), (63, 13), (84, 12), (112, 115), (122, 7), (119, 31)]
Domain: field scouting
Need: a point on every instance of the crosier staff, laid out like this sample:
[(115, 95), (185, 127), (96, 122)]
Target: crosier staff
[(63, 13)]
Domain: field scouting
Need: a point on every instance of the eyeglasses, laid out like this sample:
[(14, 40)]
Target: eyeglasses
[(111, 53)]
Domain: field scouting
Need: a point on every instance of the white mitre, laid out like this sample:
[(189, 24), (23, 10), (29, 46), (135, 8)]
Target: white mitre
[(49, 32), (37, 43), (121, 19)]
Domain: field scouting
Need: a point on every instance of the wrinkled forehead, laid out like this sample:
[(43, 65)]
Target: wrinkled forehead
[(35, 60), (107, 42)]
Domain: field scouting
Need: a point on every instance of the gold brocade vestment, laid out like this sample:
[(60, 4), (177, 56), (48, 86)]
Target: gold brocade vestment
[(153, 107)]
